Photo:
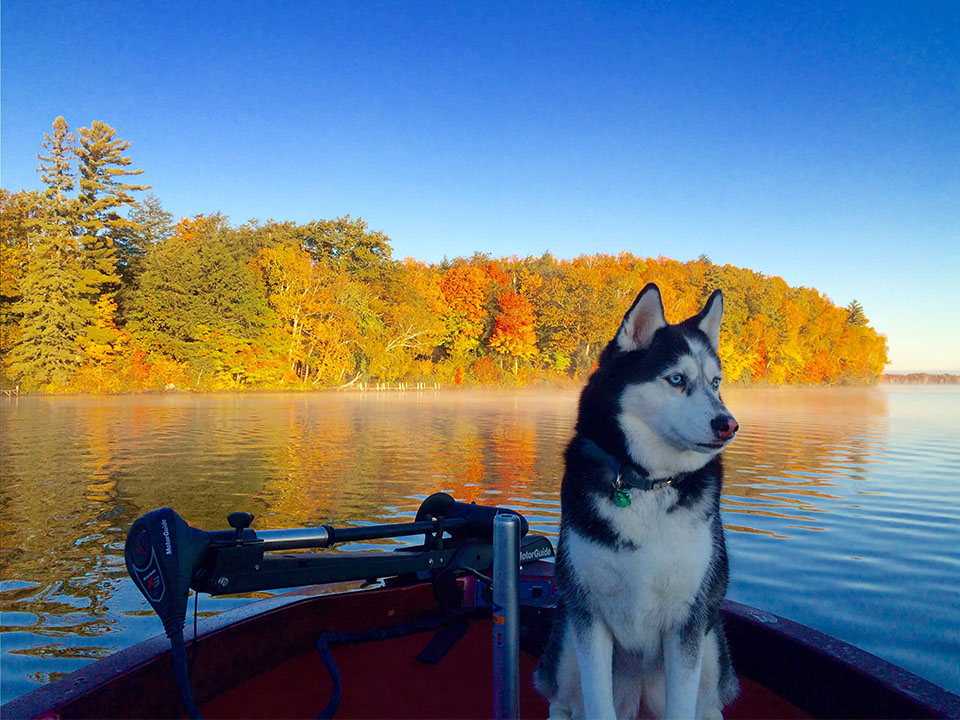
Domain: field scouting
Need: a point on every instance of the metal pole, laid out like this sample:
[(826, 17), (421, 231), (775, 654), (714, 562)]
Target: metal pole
[(506, 616), (294, 538), (321, 537)]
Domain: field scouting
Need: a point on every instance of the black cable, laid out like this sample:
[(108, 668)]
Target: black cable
[(326, 639), (179, 653), (323, 646), (193, 645)]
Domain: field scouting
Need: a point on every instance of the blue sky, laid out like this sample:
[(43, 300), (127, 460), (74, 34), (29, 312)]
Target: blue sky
[(818, 142)]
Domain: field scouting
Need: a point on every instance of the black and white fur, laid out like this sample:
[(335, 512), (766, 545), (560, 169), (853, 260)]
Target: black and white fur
[(641, 586)]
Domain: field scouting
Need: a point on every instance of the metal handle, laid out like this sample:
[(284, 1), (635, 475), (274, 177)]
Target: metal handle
[(506, 617), (294, 538)]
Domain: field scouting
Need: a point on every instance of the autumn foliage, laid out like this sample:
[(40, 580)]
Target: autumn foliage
[(204, 305)]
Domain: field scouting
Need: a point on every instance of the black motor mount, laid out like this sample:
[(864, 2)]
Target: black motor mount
[(166, 557)]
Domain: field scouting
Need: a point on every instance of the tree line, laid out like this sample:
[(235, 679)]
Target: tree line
[(921, 378), (102, 291)]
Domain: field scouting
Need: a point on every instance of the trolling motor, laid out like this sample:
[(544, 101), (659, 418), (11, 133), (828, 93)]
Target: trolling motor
[(167, 558), (162, 553)]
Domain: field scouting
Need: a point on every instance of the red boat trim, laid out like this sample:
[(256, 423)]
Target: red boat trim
[(825, 676)]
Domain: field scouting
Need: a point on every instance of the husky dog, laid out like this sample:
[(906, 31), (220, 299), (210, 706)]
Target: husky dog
[(641, 560)]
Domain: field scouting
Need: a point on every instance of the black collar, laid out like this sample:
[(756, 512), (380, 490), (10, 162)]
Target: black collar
[(628, 473), (630, 476)]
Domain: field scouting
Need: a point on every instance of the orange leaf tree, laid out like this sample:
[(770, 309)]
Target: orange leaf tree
[(514, 328)]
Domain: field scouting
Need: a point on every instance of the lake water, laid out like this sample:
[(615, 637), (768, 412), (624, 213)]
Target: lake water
[(842, 506)]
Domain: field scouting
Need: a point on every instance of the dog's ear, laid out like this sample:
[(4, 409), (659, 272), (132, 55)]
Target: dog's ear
[(708, 319), (642, 320)]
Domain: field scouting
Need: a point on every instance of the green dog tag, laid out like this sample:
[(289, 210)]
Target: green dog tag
[(621, 497)]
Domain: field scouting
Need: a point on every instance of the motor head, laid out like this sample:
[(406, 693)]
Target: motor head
[(479, 517), (162, 552)]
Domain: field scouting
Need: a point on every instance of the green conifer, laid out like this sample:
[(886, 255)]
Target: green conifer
[(855, 314), (57, 174), (193, 284), (54, 313), (149, 225), (102, 167)]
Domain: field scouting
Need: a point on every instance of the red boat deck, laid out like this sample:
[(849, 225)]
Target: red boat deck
[(259, 661), (384, 679)]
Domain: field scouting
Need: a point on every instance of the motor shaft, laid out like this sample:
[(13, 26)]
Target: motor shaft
[(506, 616)]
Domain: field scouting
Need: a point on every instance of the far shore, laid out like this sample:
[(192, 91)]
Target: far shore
[(921, 378), (571, 386)]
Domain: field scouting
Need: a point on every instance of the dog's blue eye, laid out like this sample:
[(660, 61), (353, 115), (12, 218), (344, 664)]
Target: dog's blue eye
[(675, 380), (716, 383)]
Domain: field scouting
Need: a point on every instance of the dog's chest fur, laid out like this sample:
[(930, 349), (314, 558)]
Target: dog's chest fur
[(649, 580)]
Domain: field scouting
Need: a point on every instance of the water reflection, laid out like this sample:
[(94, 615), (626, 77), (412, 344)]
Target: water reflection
[(796, 447), (821, 525)]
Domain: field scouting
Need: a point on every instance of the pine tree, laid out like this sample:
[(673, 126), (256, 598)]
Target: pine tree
[(54, 313), (57, 174), (149, 223), (855, 314), (102, 166), (194, 293)]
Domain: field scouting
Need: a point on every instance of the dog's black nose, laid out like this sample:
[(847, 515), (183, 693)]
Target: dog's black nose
[(724, 427)]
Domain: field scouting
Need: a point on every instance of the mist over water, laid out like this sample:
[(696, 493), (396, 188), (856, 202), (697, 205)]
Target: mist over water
[(842, 506)]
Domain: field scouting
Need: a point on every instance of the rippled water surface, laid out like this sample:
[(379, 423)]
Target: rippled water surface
[(842, 507)]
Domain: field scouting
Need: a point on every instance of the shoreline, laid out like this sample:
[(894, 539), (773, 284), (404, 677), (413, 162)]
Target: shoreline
[(453, 389)]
